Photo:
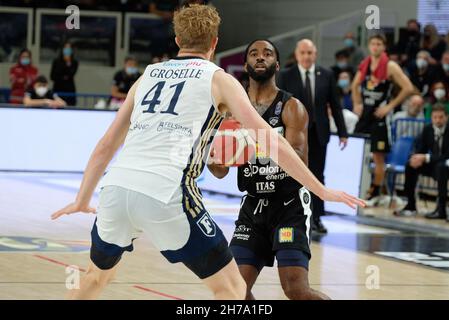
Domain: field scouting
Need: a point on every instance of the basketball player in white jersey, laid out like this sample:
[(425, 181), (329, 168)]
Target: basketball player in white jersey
[(166, 125)]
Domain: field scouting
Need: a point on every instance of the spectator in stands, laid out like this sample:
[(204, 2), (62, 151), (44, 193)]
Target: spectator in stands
[(422, 73), (429, 159), (344, 89), (21, 76), (433, 43), (409, 42), (444, 68), (63, 70), (41, 96), (123, 81), (412, 109), (439, 93), (342, 63), (356, 54)]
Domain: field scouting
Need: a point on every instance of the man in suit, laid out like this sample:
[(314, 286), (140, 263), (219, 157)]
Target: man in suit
[(430, 159), (316, 88)]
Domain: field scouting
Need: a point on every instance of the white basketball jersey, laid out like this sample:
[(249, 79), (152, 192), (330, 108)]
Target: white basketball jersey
[(170, 131)]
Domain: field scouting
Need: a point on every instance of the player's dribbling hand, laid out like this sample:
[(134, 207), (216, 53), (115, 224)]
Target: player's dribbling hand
[(72, 208), (343, 197)]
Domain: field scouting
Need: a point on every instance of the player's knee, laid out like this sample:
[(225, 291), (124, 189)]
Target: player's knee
[(233, 289), (297, 292), (98, 277)]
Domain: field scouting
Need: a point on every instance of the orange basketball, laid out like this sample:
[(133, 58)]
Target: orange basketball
[(232, 145)]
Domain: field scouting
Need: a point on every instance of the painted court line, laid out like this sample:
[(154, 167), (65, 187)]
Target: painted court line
[(84, 270)]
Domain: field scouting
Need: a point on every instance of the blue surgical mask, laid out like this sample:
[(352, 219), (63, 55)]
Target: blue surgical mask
[(25, 61), (343, 83), (131, 70), (67, 51), (342, 64), (349, 43), (446, 67)]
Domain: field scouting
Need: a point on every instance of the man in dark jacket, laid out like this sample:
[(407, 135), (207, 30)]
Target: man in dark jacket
[(430, 159), (316, 88)]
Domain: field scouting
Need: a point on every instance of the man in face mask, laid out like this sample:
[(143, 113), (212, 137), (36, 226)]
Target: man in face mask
[(342, 63), (41, 96), (422, 73), (123, 81), (356, 54), (429, 159)]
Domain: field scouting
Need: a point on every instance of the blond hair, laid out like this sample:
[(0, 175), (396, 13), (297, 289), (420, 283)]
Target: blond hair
[(196, 26)]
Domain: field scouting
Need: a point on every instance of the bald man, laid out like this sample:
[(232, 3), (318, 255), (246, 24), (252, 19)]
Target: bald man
[(412, 109), (316, 88)]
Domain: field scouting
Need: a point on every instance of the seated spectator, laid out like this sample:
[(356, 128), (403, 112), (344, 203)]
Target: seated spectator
[(429, 159), (41, 96), (356, 54), (444, 68), (409, 42), (63, 70), (342, 63), (412, 109), (344, 89), (438, 94), (433, 43), (422, 74), (21, 76), (123, 81)]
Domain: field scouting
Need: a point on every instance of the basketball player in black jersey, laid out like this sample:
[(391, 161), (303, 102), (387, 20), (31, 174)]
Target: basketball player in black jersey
[(274, 219), (371, 94)]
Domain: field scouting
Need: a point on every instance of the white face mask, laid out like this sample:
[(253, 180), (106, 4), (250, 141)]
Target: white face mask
[(41, 91), (439, 93), (421, 63)]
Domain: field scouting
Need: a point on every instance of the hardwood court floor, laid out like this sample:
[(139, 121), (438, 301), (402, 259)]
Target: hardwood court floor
[(34, 253)]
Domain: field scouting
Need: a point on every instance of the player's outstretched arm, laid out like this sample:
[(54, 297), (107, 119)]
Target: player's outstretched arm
[(229, 94), (101, 156)]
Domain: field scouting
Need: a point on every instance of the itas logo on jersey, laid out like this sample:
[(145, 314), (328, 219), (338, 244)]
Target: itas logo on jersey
[(285, 235), (207, 225), (265, 186)]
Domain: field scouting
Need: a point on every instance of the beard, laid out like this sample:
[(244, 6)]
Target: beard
[(262, 76)]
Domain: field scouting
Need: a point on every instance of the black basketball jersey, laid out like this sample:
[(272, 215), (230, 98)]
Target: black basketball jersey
[(373, 95), (261, 176)]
